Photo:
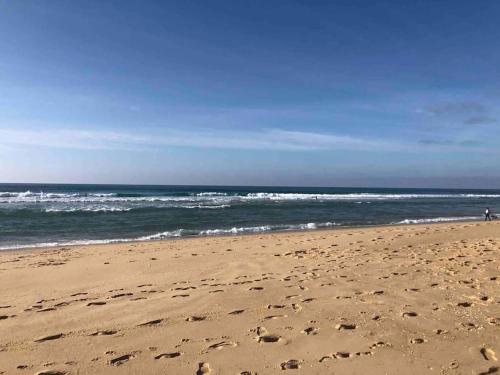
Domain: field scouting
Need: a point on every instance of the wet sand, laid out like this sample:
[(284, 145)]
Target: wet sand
[(421, 299)]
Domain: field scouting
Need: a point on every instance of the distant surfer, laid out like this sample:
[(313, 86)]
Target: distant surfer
[(487, 215)]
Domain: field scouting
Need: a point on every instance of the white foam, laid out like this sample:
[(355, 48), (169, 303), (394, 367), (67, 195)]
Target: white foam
[(438, 219), (180, 233), (163, 235), (88, 209), (93, 208), (211, 194), (67, 243), (214, 207), (359, 196), (237, 230)]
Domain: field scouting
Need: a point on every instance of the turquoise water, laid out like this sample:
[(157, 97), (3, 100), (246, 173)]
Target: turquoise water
[(41, 215)]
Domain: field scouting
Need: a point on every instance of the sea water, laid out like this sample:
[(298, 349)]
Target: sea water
[(44, 215)]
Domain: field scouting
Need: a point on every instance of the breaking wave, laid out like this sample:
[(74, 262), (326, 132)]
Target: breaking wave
[(91, 209), (40, 197), (438, 219), (360, 196), (236, 230)]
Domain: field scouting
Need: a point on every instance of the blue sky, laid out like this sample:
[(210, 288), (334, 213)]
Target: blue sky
[(317, 93)]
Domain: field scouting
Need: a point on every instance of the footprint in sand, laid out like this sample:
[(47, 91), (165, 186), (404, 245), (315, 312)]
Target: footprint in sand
[(410, 314), (379, 344), (341, 355), (275, 317), (359, 354), (269, 338), (195, 318), (440, 331), (180, 295), (138, 298), (311, 331), (491, 370), (49, 338), (122, 295), (237, 312), (107, 332), (276, 306), (488, 354), (264, 336), (307, 300), (121, 359), (169, 355), (291, 364), (150, 323), (417, 340), (46, 309), (345, 326), (203, 368), (222, 345), (98, 303), (51, 372), (79, 294), (494, 321)]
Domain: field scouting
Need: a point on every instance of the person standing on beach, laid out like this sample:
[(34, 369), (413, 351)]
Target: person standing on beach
[(487, 216)]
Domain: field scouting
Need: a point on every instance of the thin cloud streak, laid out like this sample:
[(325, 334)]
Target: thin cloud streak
[(268, 139)]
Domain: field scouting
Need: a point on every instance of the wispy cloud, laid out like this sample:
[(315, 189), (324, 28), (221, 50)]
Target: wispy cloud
[(267, 139), (435, 142), (461, 113), (449, 143), (134, 108), (480, 120), (455, 108)]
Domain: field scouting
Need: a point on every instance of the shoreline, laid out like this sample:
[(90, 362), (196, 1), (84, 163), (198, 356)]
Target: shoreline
[(105, 242)]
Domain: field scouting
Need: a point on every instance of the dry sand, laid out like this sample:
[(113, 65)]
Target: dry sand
[(388, 300)]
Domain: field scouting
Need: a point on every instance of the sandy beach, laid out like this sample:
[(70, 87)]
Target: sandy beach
[(420, 299)]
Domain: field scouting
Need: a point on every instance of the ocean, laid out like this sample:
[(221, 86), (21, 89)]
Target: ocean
[(33, 215)]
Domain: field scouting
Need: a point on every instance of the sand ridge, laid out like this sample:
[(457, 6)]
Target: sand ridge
[(383, 300)]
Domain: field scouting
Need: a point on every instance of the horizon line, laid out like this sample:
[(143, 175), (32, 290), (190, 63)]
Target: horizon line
[(243, 186)]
